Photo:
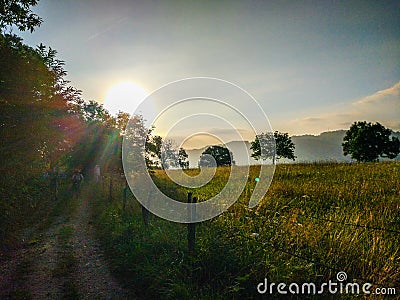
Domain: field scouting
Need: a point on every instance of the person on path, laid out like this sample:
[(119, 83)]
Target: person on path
[(77, 179)]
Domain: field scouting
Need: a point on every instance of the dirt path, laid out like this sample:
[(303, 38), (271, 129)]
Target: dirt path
[(94, 279), (65, 263), (42, 281)]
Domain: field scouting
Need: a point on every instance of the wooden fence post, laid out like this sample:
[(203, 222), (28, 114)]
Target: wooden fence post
[(145, 211), (191, 226), (125, 191), (145, 215), (110, 190)]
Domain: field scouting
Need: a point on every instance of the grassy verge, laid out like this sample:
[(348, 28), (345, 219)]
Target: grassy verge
[(316, 220)]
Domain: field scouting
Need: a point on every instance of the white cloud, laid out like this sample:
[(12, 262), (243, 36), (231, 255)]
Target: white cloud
[(387, 95), (382, 106)]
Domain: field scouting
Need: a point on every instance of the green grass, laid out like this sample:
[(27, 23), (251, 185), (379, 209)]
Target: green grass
[(315, 220)]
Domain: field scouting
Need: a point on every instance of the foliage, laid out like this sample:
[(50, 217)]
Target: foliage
[(93, 111), (284, 146), (169, 155), (266, 140), (183, 159), (19, 13), (366, 142), (153, 149), (34, 113), (221, 155), (164, 153), (121, 121), (275, 146)]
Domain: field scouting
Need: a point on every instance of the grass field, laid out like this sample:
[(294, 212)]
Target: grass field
[(315, 220)]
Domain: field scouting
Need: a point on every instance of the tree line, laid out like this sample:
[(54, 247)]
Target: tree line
[(364, 142)]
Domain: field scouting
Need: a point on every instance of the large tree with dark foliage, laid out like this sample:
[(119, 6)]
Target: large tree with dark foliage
[(366, 142), (222, 157), (36, 125)]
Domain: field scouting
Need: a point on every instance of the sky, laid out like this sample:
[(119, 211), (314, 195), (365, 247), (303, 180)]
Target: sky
[(313, 66)]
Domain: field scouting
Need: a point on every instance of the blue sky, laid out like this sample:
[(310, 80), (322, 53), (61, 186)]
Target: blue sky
[(313, 66)]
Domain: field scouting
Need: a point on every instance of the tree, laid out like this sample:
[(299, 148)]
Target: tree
[(222, 157), (165, 154), (34, 110), (267, 140), (121, 121), (366, 142), (183, 159), (169, 155), (93, 111), (276, 146), (153, 150), (136, 135), (19, 13), (284, 146)]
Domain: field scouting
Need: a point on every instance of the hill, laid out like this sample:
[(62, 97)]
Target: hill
[(326, 146)]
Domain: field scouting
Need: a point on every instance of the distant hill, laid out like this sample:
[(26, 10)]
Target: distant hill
[(309, 148), (324, 147)]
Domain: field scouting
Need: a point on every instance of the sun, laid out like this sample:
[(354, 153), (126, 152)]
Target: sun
[(124, 96)]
